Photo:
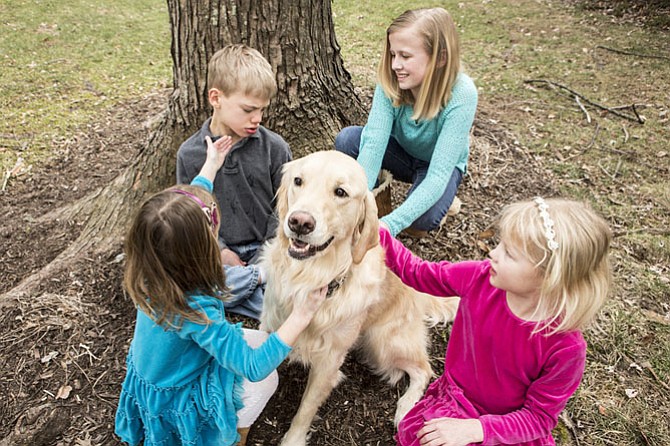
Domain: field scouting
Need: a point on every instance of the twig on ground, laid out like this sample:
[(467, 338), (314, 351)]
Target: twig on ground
[(588, 117), (586, 149), (14, 171), (625, 132), (651, 231), (645, 437), (631, 53), (606, 172), (613, 110), (570, 425), (82, 371), (98, 380), (647, 365), (618, 166)]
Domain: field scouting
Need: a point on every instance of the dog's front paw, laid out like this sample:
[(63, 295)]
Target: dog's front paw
[(293, 438), (405, 404)]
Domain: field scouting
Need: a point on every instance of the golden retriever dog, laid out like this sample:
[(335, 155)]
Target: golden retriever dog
[(328, 234)]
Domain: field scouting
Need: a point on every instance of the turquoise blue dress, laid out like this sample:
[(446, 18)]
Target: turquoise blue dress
[(183, 387)]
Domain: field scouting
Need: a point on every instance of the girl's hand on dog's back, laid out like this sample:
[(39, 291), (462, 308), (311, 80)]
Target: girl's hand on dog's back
[(314, 300)]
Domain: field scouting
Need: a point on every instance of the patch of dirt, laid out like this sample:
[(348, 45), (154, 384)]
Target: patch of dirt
[(64, 348)]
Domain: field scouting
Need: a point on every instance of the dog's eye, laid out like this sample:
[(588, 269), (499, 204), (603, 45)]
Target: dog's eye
[(341, 192), (297, 181)]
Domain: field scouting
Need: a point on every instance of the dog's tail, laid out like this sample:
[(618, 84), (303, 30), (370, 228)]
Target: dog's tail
[(439, 310)]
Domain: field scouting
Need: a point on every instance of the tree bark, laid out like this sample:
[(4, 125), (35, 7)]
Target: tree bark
[(315, 99), (315, 94)]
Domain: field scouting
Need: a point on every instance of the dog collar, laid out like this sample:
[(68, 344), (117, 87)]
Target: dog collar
[(335, 284)]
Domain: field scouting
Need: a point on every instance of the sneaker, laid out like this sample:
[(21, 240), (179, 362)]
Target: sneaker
[(415, 233)]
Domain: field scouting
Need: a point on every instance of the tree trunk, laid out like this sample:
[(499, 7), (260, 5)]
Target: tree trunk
[(315, 99), (316, 96)]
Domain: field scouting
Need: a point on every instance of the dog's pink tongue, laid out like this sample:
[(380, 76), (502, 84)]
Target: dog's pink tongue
[(299, 244)]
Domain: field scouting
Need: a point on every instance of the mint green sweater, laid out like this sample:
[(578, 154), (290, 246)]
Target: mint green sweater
[(443, 141)]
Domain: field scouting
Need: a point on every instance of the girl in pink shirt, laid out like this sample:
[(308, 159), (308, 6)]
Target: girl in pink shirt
[(516, 353)]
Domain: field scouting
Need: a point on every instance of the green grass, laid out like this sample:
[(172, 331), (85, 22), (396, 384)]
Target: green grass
[(64, 62)]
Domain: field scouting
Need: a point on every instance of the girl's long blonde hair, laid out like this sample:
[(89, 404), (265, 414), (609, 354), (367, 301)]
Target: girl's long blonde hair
[(440, 40), (576, 274), (171, 251)]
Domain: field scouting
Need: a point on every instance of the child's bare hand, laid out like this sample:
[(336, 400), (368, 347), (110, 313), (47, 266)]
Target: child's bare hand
[(216, 155), (450, 432), (217, 150), (230, 258), (301, 315), (315, 298)]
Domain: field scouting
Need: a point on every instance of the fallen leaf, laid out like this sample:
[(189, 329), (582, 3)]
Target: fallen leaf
[(487, 234), (64, 392), (48, 357), (631, 393)]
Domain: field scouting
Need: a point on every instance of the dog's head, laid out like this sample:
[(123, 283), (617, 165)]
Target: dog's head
[(324, 201)]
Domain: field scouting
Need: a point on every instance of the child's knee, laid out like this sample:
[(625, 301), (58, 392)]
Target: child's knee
[(348, 140)]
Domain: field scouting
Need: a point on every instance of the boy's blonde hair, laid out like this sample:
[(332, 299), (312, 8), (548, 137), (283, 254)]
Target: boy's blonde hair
[(576, 273), (440, 40), (241, 69), (171, 251)]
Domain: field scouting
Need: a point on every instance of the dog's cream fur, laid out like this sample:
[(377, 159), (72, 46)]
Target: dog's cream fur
[(324, 197)]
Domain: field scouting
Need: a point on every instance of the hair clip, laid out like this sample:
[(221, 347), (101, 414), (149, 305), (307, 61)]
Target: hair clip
[(210, 211), (548, 223)]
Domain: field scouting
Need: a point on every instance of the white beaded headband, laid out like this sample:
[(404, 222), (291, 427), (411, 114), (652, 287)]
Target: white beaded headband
[(548, 223)]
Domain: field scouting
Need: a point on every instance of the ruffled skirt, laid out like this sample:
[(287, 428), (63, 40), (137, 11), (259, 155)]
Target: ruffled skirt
[(199, 413)]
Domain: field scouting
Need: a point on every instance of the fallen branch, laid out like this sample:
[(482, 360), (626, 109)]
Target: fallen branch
[(581, 106), (647, 365), (613, 110), (626, 136), (631, 53)]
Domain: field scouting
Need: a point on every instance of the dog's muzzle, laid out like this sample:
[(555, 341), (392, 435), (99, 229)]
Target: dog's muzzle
[(300, 250)]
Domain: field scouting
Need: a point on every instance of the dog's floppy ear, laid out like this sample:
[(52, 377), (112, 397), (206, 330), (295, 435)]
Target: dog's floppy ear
[(282, 193), (366, 235)]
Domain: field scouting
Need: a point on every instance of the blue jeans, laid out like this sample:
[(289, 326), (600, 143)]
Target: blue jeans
[(246, 295), (407, 169)]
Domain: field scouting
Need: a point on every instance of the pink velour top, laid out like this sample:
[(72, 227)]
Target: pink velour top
[(515, 382)]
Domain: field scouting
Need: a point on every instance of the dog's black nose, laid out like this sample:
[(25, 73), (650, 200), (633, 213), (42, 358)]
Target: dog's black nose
[(301, 223)]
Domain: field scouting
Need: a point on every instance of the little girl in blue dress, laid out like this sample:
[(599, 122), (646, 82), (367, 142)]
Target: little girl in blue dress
[(192, 377)]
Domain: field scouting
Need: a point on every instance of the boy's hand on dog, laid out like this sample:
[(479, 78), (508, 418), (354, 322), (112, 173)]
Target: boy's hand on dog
[(230, 258)]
